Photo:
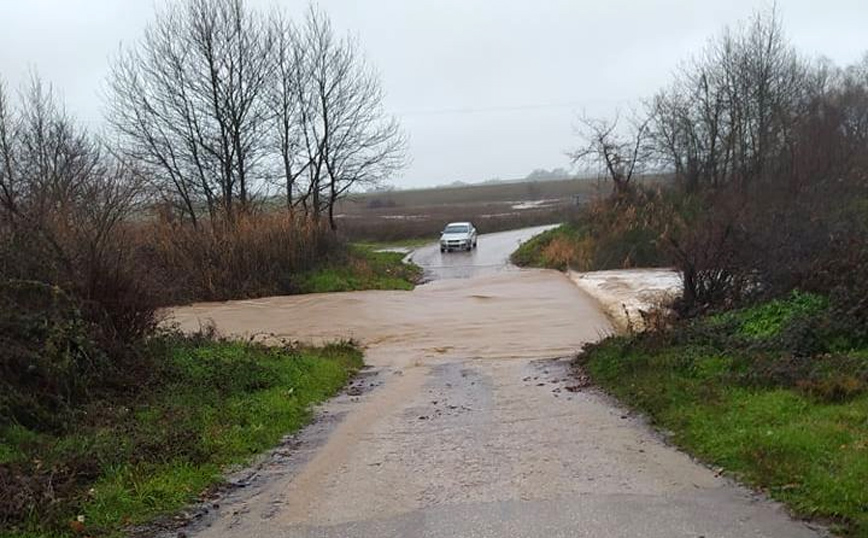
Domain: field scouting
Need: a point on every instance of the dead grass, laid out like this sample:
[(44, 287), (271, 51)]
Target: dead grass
[(563, 252), (514, 191), (376, 227), (404, 215), (259, 255)]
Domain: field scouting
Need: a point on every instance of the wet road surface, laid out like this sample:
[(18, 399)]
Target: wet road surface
[(469, 424), (491, 255)]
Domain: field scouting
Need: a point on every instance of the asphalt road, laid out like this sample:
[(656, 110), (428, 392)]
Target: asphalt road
[(490, 256), (469, 423)]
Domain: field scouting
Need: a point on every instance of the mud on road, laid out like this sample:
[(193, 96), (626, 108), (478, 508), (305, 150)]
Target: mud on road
[(470, 424)]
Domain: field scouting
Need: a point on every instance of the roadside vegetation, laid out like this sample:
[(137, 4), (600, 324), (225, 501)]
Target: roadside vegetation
[(761, 366), (398, 244), (363, 268), (106, 417), (610, 233), (264, 255), (775, 394), (92, 441)]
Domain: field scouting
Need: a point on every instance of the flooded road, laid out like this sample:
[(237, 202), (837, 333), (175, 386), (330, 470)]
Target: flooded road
[(469, 423), (491, 255)]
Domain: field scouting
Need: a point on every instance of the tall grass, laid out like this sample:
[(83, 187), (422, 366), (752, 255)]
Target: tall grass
[(256, 255), (613, 233)]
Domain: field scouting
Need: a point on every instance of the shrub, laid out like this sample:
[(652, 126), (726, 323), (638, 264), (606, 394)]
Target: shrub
[(770, 318), (834, 389), (50, 362)]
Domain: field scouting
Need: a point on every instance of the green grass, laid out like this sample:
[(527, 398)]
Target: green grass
[(768, 319), (217, 404), (731, 395), (365, 269), (411, 243)]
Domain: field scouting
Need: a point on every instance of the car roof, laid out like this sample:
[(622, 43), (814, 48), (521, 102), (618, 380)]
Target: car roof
[(459, 224)]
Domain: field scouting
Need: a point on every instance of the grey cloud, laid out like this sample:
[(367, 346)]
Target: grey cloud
[(467, 77)]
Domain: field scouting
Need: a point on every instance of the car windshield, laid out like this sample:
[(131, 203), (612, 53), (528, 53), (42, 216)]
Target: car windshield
[(456, 229)]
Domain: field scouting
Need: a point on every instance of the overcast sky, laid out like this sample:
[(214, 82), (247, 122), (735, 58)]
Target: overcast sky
[(484, 88)]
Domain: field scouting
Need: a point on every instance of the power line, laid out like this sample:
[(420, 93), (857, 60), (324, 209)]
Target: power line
[(477, 110)]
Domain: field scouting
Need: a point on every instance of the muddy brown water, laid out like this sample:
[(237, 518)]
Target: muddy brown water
[(469, 423)]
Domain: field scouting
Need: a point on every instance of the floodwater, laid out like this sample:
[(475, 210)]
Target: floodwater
[(626, 295), (469, 422)]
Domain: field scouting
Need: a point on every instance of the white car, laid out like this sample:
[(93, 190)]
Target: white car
[(458, 236)]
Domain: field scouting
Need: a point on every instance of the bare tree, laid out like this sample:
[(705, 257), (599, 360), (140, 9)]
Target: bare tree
[(8, 176), (290, 110), (63, 195), (188, 104), (853, 103), (46, 159), (620, 155), (348, 139), (218, 100), (733, 111)]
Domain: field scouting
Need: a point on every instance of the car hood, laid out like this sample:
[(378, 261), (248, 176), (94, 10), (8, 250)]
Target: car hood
[(454, 237)]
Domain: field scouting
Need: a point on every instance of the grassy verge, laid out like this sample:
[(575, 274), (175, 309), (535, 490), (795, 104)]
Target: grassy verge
[(552, 249), (399, 243), (614, 233), (768, 393), (363, 269), (128, 460)]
